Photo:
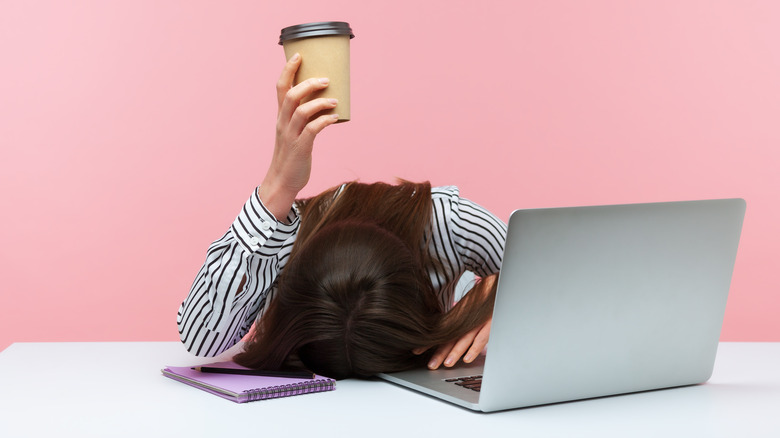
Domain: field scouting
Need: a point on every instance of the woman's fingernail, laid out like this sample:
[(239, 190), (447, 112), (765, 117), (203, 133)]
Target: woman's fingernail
[(432, 365), (295, 57), (334, 116), (468, 358), (333, 101), (324, 81), (448, 361)]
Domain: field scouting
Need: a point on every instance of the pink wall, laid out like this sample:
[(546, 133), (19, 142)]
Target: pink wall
[(132, 132)]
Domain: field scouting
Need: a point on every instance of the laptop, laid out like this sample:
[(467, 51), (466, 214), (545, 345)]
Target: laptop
[(598, 301)]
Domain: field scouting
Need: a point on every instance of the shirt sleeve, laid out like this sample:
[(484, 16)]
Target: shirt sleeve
[(479, 237), (236, 280), (469, 236)]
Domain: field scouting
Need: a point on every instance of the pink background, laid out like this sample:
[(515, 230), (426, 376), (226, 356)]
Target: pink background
[(133, 131)]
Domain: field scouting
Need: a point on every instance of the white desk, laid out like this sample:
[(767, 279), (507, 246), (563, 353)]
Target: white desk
[(116, 389)]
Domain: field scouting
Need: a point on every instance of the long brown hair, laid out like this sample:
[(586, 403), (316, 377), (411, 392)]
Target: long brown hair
[(355, 297)]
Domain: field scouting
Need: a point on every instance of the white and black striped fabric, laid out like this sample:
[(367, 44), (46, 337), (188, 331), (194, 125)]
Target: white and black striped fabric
[(237, 281)]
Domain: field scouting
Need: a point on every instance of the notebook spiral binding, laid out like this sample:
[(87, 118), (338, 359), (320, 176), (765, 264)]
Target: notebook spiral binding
[(290, 389)]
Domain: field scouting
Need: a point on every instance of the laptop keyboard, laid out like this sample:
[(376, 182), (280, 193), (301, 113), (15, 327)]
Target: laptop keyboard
[(473, 383)]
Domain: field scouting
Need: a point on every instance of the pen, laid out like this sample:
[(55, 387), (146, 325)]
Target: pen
[(266, 373)]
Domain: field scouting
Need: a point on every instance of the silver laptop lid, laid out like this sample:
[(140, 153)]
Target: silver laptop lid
[(595, 301)]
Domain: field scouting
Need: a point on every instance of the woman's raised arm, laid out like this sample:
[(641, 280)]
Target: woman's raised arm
[(296, 128)]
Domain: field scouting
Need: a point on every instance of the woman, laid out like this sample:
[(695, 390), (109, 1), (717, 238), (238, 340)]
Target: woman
[(355, 281)]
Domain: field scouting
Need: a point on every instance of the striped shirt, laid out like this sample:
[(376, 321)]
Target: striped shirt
[(238, 279)]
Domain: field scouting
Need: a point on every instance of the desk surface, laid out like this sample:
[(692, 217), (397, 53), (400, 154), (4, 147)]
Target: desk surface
[(116, 389)]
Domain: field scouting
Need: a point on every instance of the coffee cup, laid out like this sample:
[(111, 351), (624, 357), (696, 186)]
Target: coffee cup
[(324, 49)]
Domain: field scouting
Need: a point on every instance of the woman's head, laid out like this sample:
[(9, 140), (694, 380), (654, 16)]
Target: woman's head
[(358, 300), (355, 297)]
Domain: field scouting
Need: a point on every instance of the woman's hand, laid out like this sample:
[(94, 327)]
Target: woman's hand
[(296, 129), (472, 344)]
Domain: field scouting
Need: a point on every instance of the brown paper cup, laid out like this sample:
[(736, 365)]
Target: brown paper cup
[(324, 49)]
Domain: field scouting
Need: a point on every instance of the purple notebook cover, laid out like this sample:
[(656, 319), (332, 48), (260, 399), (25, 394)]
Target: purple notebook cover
[(242, 389)]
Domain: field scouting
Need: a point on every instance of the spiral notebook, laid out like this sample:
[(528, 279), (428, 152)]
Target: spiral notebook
[(242, 389)]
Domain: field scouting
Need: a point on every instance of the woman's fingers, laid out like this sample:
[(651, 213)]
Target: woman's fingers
[(439, 356), (303, 114), (315, 126), (419, 351), (460, 347), (293, 117), (472, 344), (292, 99), (479, 343), (287, 77)]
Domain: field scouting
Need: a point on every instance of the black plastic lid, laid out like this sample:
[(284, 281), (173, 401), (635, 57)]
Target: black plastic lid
[(321, 28)]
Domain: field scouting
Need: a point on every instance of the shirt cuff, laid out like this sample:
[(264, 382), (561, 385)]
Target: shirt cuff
[(258, 231)]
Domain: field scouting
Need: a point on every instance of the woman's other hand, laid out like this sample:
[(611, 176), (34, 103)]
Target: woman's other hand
[(296, 128), (472, 344)]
